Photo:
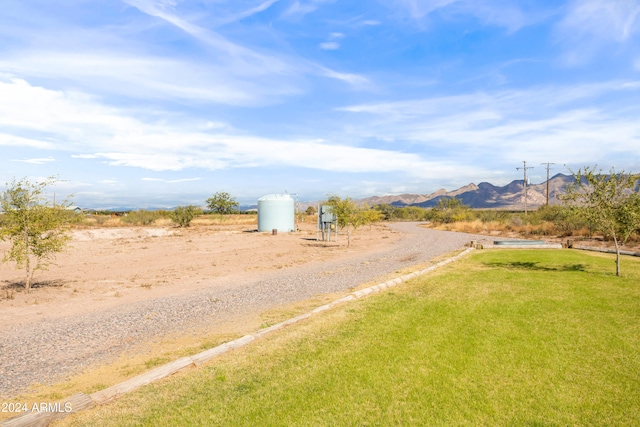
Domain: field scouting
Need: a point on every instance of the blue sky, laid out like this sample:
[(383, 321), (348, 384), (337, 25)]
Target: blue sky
[(164, 102)]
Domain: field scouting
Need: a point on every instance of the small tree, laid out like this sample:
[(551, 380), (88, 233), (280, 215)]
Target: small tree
[(183, 215), (350, 216), (610, 203), (222, 203), (36, 230), (310, 210)]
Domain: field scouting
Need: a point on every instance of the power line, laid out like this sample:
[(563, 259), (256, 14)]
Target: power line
[(525, 167), (548, 167)]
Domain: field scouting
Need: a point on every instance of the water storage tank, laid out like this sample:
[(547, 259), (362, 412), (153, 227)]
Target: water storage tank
[(276, 211)]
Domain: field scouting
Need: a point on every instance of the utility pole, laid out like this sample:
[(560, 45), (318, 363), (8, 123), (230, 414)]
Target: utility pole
[(524, 162), (548, 167)]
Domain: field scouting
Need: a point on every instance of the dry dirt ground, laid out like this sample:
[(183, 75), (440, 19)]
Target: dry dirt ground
[(112, 266), (107, 267)]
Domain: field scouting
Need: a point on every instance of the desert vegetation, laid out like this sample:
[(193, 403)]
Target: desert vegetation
[(35, 229), (555, 221)]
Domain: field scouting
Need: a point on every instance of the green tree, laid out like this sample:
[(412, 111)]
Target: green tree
[(343, 209), (222, 203), (35, 229), (609, 202), (183, 215), (351, 216), (310, 210)]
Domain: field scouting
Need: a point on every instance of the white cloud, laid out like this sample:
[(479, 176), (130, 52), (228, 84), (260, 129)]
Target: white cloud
[(94, 131), (172, 181), (120, 63), (37, 161), (589, 25), (19, 141), (235, 83), (355, 80), (565, 123), (330, 46), (501, 13), (613, 20), (84, 156), (238, 16), (298, 9)]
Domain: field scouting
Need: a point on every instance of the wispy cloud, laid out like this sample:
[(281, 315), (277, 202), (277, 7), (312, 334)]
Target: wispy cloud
[(615, 20), (353, 79), (500, 13), (84, 156), (589, 25), (419, 9), (299, 9), (172, 181), (242, 60), (332, 42), (330, 46), (93, 131), (37, 161), (509, 125), (238, 16)]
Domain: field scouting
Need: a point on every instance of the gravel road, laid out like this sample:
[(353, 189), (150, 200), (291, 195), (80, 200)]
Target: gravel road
[(48, 351)]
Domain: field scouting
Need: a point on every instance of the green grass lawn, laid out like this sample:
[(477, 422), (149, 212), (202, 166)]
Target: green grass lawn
[(513, 337)]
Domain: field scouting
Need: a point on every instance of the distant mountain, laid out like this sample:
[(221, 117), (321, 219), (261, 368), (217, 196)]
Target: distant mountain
[(485, 195)]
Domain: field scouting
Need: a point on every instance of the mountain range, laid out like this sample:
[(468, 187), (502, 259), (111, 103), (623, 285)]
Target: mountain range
[(484, 195)]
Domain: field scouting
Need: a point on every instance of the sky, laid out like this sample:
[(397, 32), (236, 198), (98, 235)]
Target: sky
[(159, 103)]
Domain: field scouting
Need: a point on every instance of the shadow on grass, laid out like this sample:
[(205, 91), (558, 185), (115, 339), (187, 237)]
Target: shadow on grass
[(535, 266)]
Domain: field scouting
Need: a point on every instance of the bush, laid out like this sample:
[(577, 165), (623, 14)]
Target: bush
[(182, 215), (141, 217), (492, 215)]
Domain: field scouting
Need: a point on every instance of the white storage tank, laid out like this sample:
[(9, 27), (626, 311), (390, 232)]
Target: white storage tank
[(276, 212)]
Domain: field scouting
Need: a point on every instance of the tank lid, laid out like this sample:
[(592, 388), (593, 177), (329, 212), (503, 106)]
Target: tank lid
[(276, 197)]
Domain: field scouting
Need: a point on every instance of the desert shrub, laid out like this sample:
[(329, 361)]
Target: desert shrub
[(449, 210), (493, 215), (101, 219), (142, 217), (183, 215), (516, 221), (411, 213), (387, 211)]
